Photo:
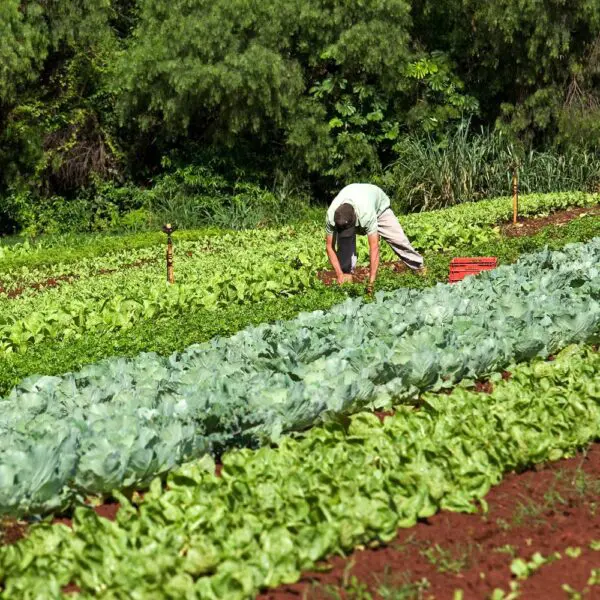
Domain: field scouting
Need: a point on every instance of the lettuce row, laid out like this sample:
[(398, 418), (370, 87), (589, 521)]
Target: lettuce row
[(428, 230), (222, 270), (275, 512)]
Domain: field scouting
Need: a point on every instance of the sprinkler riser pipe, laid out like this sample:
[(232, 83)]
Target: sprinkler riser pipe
[(170, 271), (515, 189), (169, 229)]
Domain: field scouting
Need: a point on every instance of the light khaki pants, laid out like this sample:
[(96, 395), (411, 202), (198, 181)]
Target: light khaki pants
[(391, 231)]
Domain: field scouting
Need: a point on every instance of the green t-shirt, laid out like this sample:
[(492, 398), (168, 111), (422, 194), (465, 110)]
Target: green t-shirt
[(368, 201)]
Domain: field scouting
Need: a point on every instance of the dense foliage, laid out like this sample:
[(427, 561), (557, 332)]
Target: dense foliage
[(277, 511), (120, 422), (28, 259), (99, 98)]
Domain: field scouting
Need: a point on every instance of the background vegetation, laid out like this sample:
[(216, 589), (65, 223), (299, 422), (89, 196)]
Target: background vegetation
[(121, 113)]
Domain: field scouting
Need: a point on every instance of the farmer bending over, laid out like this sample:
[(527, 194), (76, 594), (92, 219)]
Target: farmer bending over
[(365, 209)]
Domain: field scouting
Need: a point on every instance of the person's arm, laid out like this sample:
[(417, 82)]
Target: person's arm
[(333, 259), (373, 259)]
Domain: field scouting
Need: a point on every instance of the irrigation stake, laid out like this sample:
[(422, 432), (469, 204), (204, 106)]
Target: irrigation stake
[(515, 187), (169, 229)]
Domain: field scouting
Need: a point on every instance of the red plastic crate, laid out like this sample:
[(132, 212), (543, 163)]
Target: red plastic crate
[(461, 267)]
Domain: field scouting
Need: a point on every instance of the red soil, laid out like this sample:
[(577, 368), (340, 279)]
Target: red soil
[(361, 274), (107, 510), (12, 531), (48, 283), (382, 415), (533, 225), (72, 588), (544, 510)]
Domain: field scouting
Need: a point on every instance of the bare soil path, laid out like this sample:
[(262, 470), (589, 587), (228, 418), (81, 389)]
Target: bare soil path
[(546, 510), (533, 225)]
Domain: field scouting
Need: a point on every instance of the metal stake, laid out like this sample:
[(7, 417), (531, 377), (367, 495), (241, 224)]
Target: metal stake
[(169, 229), (515, 187)]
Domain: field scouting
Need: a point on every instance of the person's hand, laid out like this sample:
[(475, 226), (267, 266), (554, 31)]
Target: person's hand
[(345, 278), (370, 288)]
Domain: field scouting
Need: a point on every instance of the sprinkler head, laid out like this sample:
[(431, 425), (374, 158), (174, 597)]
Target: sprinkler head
[(169, 229)]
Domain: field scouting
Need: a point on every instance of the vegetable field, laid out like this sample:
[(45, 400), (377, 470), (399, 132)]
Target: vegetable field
[(247, 423)]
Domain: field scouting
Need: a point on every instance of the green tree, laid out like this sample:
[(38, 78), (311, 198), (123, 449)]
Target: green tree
[(328, 82), (217, 67), (518, 57), (23, 46), (54, 133)]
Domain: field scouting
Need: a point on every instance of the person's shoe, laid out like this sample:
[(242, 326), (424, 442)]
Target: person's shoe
[(422, 271)]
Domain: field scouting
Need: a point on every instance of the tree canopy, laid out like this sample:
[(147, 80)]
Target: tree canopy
[(113, 90)]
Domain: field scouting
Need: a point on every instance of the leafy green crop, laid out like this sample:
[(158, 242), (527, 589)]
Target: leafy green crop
[(277, 511), (72, 248), (219, 272), (122, 421), (429, 230), (178, 331), (213, 272), (472, 223)]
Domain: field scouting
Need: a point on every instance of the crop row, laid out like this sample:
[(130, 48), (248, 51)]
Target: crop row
[(175, 332), (277, 511), (436, 230), (252, 267), (205, 254), (462, 225), (229, 273), (73, 248), (120, 422)]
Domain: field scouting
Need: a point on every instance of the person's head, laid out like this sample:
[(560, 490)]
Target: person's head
[(345, 220)]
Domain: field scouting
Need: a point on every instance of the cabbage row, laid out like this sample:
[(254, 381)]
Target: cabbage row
[(118, 423), (275, 512)]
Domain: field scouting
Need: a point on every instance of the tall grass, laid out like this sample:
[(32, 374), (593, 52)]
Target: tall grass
[(194, 197), (469, 166)]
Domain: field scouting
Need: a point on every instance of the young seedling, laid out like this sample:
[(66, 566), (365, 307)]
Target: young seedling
[(532, 511), (499, 594), (446, 561), (405, 591), (507, 549)]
